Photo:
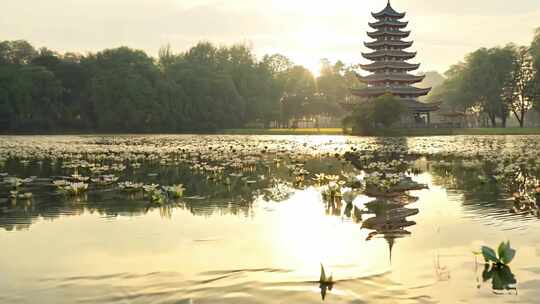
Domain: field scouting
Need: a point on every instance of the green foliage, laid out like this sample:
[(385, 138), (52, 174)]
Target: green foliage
[(535, 53), (520, 90), (505, 254), (501, 277), (383, 111), (205, 88), (387, 110), (361, 119), (496, 82)]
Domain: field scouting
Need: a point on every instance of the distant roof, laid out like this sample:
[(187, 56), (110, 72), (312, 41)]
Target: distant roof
[(388, 11)]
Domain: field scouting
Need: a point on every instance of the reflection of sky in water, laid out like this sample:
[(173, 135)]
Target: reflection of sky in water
[(230, 252)]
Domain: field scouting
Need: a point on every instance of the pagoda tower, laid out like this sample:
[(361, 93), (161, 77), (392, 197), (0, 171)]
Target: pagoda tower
[(389, 68)]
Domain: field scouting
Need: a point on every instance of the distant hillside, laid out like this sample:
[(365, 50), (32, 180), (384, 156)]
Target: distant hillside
[(433, 79)]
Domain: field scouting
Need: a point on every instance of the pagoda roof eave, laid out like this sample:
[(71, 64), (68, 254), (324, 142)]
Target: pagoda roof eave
[(389, 65), (393, 43), (390, 53), (381, 23), (417, 106), (373, 78), (411, 104), (380, 33), (378, 91)]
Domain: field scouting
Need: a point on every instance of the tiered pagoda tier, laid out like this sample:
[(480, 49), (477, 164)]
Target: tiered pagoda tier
[(389, 68)]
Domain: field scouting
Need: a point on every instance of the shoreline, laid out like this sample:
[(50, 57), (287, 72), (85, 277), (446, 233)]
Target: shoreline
[(302, 131)]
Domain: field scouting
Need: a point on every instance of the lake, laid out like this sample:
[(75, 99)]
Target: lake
[(102, 219)]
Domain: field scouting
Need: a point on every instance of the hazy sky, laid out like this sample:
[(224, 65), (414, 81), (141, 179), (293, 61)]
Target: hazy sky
[(304, 30)]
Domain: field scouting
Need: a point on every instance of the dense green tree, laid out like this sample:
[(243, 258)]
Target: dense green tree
[(488, 70), (332, 89), (361, 118), (16, 52), (387, 110), (120, 90), (479, 83), (535, 52), (299, 89), (452, 92), (519, 92), (383, 111)]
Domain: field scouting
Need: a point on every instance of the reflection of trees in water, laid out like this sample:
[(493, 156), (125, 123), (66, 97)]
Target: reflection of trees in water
[(204, 196), (488, 191), (22, 214)]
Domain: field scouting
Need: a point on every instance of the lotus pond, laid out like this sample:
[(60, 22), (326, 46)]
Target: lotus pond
[(250, 219)]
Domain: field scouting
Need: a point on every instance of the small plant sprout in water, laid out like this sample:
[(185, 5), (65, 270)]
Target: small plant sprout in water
[(155, 193), (105, 180), (496, 268), (130, 186), (175, 191), (70, 188), (505, 254), (158, 196), (14, 182), (326, 283)]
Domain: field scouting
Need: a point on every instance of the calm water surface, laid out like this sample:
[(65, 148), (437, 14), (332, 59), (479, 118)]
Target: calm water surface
[(251, 232)]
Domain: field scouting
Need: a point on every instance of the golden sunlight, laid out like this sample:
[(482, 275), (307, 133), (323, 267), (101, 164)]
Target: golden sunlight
[(305, 236)]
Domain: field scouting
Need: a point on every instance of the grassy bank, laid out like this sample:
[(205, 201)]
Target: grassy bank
[(393, 132), (447, 132), (314, 131)]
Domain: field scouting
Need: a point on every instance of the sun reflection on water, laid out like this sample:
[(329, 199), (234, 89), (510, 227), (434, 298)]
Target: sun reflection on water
[(305, 237)]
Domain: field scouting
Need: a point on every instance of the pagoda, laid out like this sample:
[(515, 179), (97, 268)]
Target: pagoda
[(389, 70)]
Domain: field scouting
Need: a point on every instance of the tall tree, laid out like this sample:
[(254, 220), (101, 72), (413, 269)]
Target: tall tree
[(520, 90), (535, 52)]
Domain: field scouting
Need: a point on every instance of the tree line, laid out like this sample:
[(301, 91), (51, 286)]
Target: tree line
[(495, 83), (205, 88)]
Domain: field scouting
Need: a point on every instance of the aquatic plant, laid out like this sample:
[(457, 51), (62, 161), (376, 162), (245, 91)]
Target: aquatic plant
[(158, 196), (14, 182), (323, 278), (79, 178), (105, 180), (504, 256), (175, 191), (130, 186), (13, 194), (25, 196), (60, 184), (502, 278), (325, 282), (75, 188), (150, 188)]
